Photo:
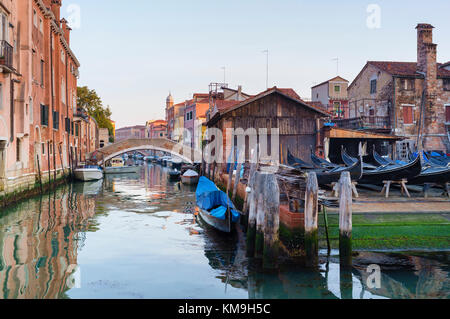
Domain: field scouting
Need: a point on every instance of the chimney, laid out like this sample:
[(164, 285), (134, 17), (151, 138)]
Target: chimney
[(426, 56), (56, 9), (66, 30)]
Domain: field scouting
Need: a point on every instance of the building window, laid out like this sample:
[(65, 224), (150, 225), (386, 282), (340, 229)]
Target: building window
[(373, 86), (43, 148), (35, 18), (4, 27), (446, 84), (41, 25), (63, 91), (44, 115), (408, 116), (406, 84), (337, 88), (337, 109), (18, 150), (447, 113), (31, 110), (42, 72), (55, 120)]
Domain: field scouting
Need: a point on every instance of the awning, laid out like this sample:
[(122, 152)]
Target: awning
[(334, 132)]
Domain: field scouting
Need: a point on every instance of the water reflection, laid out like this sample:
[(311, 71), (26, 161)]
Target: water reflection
[(39, 241), (138, 236)]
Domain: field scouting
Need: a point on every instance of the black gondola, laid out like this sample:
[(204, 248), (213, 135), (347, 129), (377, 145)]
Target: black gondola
[(327, 176), (333, 176), (438, 175), (296, 162), (388, 172), (322, 163), (349, 160)]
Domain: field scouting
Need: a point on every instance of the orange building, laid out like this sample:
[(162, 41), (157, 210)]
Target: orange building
[(38, 87)]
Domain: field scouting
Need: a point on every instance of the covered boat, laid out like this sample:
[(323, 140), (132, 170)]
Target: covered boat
[(216, 209), (190, 177)]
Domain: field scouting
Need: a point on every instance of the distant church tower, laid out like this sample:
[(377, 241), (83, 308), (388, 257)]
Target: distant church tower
[(169, 104)]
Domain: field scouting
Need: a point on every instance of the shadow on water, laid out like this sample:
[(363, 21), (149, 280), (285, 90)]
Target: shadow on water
[(42, 242)]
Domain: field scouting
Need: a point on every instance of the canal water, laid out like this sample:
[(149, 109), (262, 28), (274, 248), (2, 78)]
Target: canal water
[(137, 236)]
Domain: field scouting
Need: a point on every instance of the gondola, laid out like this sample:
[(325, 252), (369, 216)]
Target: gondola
[(215, 207), (349, 160), (327, 176), (332, 176), (321, 163), (296, 162), (388, 172), (386, 160), (438, 175)]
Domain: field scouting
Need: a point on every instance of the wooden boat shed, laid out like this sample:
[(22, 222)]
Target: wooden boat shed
[(298, 122), (335, 138)]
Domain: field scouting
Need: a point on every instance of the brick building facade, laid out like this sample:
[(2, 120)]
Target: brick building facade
[(38, 85), (389, 95)]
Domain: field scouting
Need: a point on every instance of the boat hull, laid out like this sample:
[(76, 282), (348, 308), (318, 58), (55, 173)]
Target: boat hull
[(432, 175), (122, 170), (219, 224), (88, 174), (189, 180)]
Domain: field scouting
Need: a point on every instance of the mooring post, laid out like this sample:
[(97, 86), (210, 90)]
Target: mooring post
[(230, 172), (311, 219), (251, 228), (236, 181), (260, 213), (345, 220), (39, 172), (272, 222)]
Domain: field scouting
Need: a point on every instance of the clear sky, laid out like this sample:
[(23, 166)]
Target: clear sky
[(134, 52)]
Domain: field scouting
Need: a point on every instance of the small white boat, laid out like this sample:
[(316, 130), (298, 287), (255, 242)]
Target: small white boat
[(117, 166), (190, 177), (88, 173)]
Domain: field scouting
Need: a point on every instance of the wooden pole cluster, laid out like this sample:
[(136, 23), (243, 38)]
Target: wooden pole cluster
[(311, 219), (345, 220), (264, 218)]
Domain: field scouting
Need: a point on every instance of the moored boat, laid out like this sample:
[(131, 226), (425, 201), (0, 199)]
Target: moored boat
[(174, 174), (388, 172), (190, 177), (215, 207), (296, 162), (117, 166), (88, 173)]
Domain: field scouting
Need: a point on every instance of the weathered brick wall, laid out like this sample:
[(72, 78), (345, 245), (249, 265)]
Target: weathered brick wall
[(360, 90)]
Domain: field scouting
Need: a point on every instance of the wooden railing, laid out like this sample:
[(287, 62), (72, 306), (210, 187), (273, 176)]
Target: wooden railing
[(365, 122)]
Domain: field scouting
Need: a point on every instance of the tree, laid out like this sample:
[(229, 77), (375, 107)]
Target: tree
[(89, 101)]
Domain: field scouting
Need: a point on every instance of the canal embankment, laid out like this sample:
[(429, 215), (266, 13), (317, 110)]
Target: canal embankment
[(25, 187)]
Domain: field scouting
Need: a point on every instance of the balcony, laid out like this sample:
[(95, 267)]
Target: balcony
[(6, 56), (377, 123)]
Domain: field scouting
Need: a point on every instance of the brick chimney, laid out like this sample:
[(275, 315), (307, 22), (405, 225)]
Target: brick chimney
[(426, 56), (66, 30), (56, 9)]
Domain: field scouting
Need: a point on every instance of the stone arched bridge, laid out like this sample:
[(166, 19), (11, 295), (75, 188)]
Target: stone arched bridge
[(102, 155)]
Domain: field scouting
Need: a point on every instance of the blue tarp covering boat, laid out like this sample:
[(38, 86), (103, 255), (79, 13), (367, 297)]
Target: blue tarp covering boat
[(213, 200)]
